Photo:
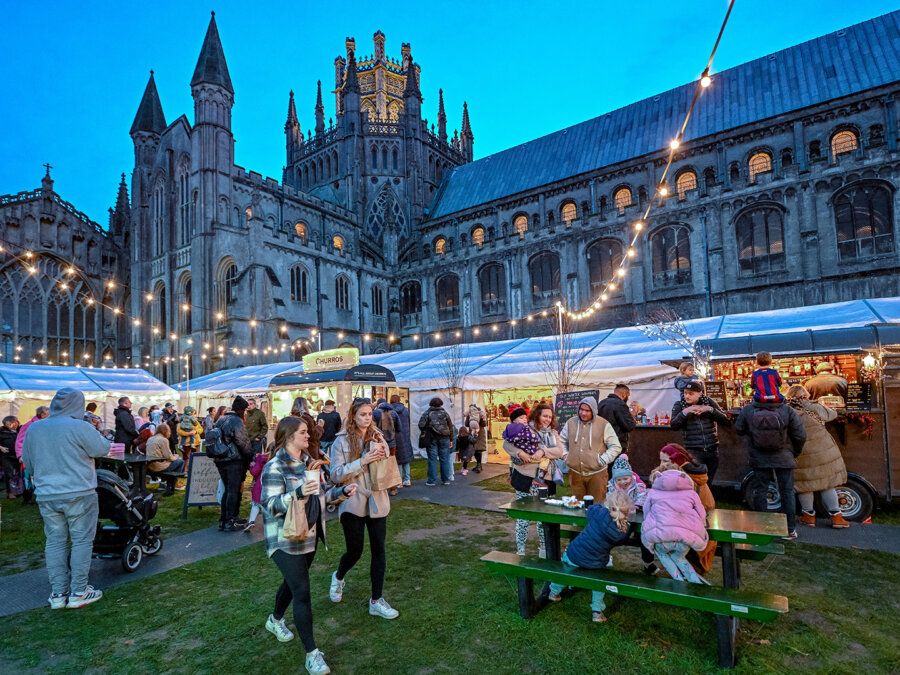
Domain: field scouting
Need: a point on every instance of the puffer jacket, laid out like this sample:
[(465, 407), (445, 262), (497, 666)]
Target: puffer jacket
[(591, 548), (700, 432), (390, 437), (820, 466), (404, 443), (673, 512), (615, 411), (795, 436), (233, 431)]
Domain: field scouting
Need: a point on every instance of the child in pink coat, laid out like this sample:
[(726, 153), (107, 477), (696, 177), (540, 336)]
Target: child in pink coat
[(674, 523), (256, 469)]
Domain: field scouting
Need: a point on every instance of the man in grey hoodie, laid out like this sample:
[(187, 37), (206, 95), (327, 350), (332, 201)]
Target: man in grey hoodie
[(59, 453)]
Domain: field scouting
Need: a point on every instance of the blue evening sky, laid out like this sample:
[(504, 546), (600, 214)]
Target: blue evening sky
[(74, 72)]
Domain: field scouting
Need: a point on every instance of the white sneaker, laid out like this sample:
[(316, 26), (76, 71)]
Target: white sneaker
[(58, 600), (89, 595), (610, 563), (542, 553), (336, 592), (381, 608), (279, 629), (315, 663), (407, 483)]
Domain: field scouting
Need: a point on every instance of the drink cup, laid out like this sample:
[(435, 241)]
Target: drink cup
[(313, 474), (588, 501), (543, 492)]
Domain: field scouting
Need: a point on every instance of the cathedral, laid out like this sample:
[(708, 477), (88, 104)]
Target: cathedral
[(384, 232)]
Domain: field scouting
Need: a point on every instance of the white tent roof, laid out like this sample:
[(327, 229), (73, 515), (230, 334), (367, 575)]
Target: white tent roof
[(49, 379), (225, 383)]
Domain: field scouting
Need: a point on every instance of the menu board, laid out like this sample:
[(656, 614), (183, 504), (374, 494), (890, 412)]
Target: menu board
[(715, 389), (202, 483), (567, 403), (859, 396)]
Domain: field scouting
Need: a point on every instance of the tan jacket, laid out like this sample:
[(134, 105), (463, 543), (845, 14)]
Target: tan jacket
[(365, 502), (158, 448), (590, 446), (820, 466)]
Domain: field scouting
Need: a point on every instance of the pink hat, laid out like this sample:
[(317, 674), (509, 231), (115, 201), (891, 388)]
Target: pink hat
[(676, 453)]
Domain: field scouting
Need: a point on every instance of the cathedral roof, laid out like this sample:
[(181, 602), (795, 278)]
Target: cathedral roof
[(211, 67), (149, 115), (861, 57)]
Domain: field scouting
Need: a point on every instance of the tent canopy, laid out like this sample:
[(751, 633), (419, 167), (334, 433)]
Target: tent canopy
[(224, 383), (364, 372), (49, 379)]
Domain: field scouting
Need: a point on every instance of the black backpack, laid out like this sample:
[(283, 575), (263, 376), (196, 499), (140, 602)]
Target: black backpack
[(216, 446), (767, 430)]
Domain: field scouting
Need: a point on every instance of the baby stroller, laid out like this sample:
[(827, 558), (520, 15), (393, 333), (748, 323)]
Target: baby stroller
[(130, 535)]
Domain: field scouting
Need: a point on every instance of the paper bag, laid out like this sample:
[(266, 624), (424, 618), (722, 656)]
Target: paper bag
[(296, 525), (384, 474)]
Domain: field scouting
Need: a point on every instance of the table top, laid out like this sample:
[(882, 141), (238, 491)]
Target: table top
[(723, 525), (128, 458)]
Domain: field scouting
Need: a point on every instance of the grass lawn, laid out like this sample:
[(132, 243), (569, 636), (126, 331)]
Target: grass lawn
[(457, 618)]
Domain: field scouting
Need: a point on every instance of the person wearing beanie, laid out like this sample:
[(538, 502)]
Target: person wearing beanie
[(672, 452), (625, 480), (522, 437), (701, 561), (232, 467), (698, 417)]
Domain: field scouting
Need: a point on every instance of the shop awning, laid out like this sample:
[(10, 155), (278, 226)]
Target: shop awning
[(854, 339), (364, 372), (112, 381)]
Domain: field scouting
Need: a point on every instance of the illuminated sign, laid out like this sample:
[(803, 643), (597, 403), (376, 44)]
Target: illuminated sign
[(331, 359)]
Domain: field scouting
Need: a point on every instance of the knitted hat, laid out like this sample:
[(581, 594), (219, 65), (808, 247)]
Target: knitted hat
[(518, 412), (239, 405), (188, 410), (676, 453), (621, 467)]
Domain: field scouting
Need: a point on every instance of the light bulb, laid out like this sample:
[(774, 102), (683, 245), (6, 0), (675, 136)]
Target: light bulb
[(663, 191), (869, 361), (674, 144), (631, 253), (148, 297), (705, 81), (340, 336), (220, 315), (136, 322), (437, 336), (476, 331), (415, 338), (253, 323), (639, 225), (621, 271)]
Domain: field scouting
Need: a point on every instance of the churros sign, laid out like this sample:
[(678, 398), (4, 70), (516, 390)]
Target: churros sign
[(331, 359)]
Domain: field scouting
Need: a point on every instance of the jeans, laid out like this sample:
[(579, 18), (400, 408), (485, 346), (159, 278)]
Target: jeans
[(354, 534), (829, 501), (404, 472), (295, 587), (439, 452), (597, 603), (708, 457), (258, 445), (785, 481), (64, 519), (672, 555), (231, 473)]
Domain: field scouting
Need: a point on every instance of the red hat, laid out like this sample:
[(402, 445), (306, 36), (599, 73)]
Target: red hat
[(676, 453)]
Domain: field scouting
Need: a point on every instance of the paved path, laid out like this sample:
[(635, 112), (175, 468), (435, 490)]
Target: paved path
[(30, 590)]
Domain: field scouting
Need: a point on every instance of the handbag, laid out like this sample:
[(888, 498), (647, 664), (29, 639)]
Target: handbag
[(384, 474), (296, 525)]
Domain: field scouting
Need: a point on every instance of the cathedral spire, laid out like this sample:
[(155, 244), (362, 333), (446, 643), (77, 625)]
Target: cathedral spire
[(412, 82), (211, 67), (122, 196), (351, 84), (292, 121), (149, 117), (320, 110), (119, 216), (466, 137), (442, 117)]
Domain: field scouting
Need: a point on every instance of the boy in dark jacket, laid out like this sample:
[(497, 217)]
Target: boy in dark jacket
[(614, 409), (698, 417)]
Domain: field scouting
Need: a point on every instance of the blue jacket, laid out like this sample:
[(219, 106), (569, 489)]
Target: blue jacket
[(381, 409), (592, 547), (404, 444)]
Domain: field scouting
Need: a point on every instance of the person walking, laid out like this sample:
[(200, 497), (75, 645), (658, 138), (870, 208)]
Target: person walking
[(405, 451), (329, 424), (614, 409), (698, 417), (437, 426), (293, 475), (231, 468), (126, 432), (591, 445), (257, 426), (388, 422), (476, 420), (820, 467), (774, 437), (59, 454), (354, 449)]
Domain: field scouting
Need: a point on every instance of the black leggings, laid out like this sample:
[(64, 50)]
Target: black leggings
[(477, 455), (354, 535), (295, 570)]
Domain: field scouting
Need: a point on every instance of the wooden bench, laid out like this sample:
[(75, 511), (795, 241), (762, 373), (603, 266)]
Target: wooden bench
[(169, 477), (722, 602)]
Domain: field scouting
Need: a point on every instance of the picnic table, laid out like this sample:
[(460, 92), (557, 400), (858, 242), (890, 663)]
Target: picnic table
[(740, 534), (134, 463)]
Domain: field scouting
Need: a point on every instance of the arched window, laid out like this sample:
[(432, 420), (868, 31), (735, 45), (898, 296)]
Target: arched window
[(709, 177), (568, 213), (815, 151), (328, 166), (440, 245), (686, 181), (544, 271), (342, 292), (760, 240), (604, 257), (228, 274), (396, 159), (384, 158), (787, 158), (298, 350), (864, 220), (299, 284), (335, 164), (337, 241), (622, 199), (410, 303), (492, 282), (734, 172), (374, 157), (447, 291), (161, 311), (157, 216), (844, 141), (377, 300), (520, 224), (670, 247), (300, 230), (184, 309), (184, 201), (478, 236), (760, 162)]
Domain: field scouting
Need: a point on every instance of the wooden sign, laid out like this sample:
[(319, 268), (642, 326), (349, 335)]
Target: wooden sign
[(567, 404), (859, 396), (202, 483), (715, 389)]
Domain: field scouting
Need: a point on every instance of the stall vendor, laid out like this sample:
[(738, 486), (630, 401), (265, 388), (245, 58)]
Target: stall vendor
[(826, 383)]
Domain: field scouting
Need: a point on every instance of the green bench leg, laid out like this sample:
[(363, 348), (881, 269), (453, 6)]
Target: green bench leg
[(526, 597), (726, 636)]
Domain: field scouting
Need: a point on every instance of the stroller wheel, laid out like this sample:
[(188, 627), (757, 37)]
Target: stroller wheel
[(153, 547), (131, 557)]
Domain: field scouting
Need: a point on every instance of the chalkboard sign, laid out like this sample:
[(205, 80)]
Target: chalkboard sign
[(715, 389), (859, 396), (567, 404), (202, 483)]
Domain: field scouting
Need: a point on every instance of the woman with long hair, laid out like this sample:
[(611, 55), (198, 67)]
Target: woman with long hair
[(358, 445), (293, 474), (219, 412), (300, 409)]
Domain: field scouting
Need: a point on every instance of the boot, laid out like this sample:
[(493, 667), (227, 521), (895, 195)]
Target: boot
[(808, 519), (839, 522)]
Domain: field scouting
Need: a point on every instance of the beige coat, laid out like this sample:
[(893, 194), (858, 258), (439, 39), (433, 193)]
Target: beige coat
[(820, 466), (158, 449), (365, 502)]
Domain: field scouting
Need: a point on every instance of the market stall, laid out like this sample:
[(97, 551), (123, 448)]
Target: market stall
[(341, 386)]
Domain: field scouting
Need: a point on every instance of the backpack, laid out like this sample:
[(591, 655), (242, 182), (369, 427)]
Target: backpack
[(438, 423), (186, 423), (386, 424), (767, 430), (216, 446)]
